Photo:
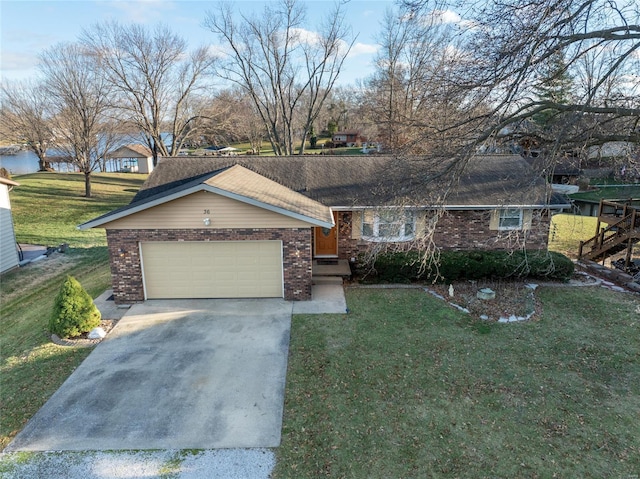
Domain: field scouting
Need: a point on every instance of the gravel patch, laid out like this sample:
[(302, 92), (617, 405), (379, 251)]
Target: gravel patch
[(173, 464)]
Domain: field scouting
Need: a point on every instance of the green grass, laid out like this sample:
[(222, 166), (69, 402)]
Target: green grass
[(46, 208), (567, 231), (610, 193), (406, 387)]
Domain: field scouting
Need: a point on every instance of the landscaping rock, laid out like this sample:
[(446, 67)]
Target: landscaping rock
[(97, 333), (486, 293)]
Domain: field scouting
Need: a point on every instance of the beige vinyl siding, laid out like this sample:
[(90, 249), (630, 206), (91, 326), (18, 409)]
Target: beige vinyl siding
[(215, 269), (8, 252), (189, 213)]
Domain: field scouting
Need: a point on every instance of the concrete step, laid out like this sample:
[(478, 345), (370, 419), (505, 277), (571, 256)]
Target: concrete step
[(326, 280)]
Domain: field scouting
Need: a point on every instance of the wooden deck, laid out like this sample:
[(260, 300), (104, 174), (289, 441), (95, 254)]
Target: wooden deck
[(622, 232)]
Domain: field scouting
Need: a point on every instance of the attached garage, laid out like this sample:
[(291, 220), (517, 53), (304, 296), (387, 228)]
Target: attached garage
[(230, 233), (212, 269)]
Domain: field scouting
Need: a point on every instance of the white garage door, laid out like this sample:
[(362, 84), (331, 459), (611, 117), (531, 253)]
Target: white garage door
[(216, 269)]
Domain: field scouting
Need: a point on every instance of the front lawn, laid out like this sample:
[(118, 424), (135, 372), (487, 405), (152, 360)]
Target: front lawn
[(46, 209), (404, 386)]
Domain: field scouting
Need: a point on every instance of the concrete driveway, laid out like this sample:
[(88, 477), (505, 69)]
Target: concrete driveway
[(179, 374)]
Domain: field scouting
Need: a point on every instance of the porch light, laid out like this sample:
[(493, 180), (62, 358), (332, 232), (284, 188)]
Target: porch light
[(207, 222)]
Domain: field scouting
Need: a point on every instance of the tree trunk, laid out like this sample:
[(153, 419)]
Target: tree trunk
[(87, 184)]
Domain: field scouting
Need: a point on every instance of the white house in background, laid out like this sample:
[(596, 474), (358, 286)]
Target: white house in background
[(8, 252), (134, 158)]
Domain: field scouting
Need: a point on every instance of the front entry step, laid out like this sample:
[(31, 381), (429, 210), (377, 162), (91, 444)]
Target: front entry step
[(326, 280), (337, 267)]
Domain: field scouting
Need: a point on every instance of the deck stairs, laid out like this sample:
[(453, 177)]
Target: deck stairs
[(622, 232)]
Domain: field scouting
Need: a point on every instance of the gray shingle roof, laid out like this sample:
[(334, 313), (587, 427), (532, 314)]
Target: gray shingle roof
[(347, 181)]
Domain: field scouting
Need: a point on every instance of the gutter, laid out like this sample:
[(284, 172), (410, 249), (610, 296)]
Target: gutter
[(457, 207)]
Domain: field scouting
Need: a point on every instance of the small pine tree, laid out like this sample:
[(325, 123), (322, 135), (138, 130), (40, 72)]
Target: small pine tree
[(555, 86), (73, 312)]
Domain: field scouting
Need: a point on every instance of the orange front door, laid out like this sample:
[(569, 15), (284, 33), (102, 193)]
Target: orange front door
[(326, 240)]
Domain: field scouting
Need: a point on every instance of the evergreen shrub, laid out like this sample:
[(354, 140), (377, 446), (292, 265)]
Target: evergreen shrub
[(404, 267), (73, 312)]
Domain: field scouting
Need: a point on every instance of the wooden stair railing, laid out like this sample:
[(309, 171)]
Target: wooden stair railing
[(610, 239)]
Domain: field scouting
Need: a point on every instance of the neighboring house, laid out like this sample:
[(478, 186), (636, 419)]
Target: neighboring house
[(612, 149), (133, 158), (206, 227), (8, 251), (560, 171), (346, 138)]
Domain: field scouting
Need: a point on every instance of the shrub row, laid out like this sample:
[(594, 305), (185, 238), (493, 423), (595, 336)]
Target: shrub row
[(405, 267)]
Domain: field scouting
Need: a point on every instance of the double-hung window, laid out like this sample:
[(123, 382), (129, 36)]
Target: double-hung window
[(510, 219), (388, 225)]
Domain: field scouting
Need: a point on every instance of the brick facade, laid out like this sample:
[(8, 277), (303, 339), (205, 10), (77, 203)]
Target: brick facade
[(469, 230), (460, 230), (126, 268)]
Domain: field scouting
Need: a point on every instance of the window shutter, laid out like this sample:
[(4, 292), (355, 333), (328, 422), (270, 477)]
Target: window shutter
[(421, 223), (356, 224), (494, 222), (527, 218)]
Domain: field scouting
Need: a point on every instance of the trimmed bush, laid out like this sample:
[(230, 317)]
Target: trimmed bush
[(404, 267), (73, 312)]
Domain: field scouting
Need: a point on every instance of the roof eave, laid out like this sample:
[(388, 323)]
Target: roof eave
[(457, 207), (201, 187)]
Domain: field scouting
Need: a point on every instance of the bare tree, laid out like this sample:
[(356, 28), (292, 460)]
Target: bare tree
[(26, 117), (286, 70), (509, 46), (413, 96), (163, 87), (82, 97)]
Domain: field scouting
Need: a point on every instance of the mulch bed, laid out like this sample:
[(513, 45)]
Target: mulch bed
[(83, 340), (513, 298)]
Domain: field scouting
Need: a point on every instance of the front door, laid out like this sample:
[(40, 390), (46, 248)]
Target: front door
[(326, 239)]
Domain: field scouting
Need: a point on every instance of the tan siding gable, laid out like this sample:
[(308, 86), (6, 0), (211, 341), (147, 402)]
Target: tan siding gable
[(189, 213)]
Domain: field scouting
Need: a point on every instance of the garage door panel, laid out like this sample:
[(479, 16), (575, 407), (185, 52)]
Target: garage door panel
[(230, 269)]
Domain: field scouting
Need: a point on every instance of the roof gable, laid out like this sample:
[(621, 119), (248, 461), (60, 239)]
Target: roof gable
[(131, 151), (236, 183), (243, 184)]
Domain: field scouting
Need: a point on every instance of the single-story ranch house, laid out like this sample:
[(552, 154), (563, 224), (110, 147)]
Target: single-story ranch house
[(215, 227)]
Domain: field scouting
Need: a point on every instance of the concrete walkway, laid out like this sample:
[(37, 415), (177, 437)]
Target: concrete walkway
[(327, 297), (179, 374)]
